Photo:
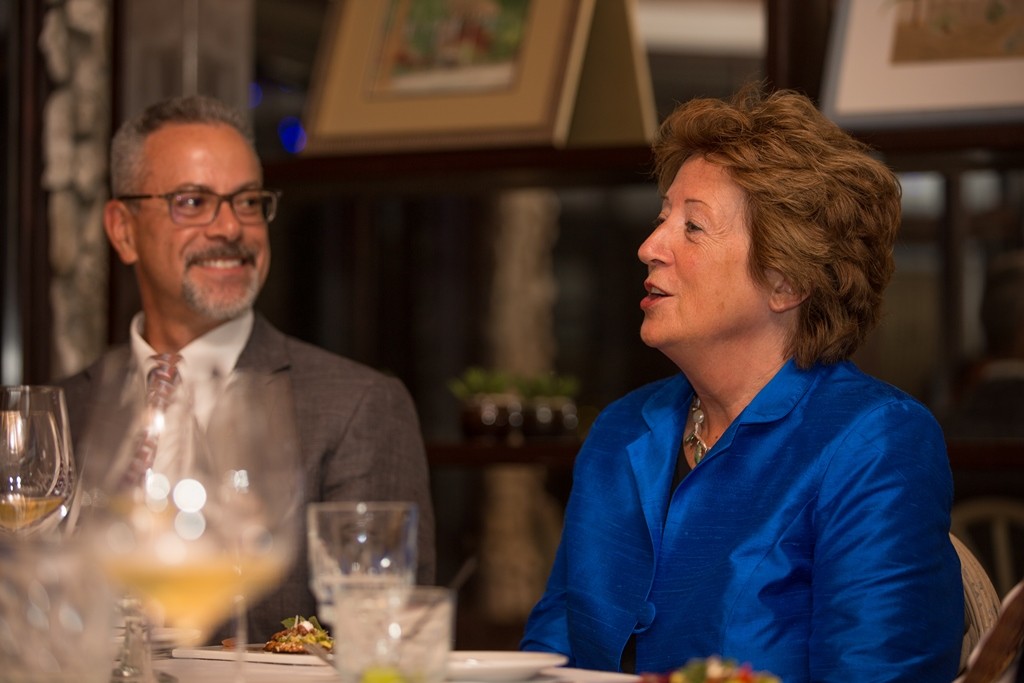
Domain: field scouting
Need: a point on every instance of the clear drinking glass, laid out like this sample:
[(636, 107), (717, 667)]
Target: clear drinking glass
[(359, 542), (56, 613), (37, 470), (391, 633)]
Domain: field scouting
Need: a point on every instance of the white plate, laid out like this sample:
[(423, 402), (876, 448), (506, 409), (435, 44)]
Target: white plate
[(493, 665), (254, 653), (568, 675)]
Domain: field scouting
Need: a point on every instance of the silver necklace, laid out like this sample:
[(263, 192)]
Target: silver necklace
[(693, 438)]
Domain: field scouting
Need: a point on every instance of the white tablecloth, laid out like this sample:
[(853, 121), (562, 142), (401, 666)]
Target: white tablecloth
[(210, 671)]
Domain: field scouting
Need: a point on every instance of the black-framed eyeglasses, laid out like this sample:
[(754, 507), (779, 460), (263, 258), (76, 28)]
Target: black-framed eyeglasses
[(195, 208)]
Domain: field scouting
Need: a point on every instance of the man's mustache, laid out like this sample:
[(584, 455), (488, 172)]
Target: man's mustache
[(225, 252)]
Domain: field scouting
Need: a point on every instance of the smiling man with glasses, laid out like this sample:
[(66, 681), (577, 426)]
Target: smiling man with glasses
[(190, 215)]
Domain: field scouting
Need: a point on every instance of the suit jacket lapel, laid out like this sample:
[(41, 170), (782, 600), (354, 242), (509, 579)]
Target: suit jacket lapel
[(104, 416), (266, 349)]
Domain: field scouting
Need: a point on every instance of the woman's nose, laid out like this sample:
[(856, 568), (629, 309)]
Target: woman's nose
[(651, 250)]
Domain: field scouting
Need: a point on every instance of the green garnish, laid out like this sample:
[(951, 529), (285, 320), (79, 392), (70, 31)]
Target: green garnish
[(291, 621)]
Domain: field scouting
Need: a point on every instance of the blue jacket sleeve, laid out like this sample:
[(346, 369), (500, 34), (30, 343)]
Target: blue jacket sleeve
[(887, 586), (547, 629)]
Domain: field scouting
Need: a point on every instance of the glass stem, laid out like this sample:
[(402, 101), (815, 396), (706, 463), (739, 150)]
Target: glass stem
[(134, 664), (241, 637)]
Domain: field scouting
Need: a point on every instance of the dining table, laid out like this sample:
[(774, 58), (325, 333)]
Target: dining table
[(224, 671), (190, 669)]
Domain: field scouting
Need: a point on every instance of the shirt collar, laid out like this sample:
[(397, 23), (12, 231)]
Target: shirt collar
[(213, 354)]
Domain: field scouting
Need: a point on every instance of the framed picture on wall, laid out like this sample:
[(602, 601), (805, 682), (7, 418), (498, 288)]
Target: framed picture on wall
[(895, 64), (408, 75)]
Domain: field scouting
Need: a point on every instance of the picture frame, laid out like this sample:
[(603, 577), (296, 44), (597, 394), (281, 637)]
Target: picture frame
[(901, 64), (381, 84)]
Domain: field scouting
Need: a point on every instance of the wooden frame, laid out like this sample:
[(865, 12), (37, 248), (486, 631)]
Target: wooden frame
[(364, 96), (894, 65)]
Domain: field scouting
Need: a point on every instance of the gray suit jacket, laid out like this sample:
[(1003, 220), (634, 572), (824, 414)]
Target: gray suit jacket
[(359, 440)]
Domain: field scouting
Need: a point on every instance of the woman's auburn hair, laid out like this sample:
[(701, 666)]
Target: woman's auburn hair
[(823, 212)]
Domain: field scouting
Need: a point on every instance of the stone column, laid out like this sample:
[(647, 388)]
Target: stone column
[(75, 43), (522, 522)]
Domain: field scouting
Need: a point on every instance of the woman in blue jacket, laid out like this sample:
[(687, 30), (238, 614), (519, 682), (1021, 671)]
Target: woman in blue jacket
[(771, 503)]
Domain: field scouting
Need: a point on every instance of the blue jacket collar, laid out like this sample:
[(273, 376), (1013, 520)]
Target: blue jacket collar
[(667, 406), (653, 453)]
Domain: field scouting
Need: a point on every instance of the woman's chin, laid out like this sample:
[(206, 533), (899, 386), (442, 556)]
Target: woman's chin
[(650, 336)]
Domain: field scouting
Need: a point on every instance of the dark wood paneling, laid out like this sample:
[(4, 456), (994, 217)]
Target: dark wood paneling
[(32, 226), (122, 292), (797, 41), (464, 170), (554, 454)]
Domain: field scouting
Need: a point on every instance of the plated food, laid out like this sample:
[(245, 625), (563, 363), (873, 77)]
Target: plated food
[(297, 633), (711, 670)]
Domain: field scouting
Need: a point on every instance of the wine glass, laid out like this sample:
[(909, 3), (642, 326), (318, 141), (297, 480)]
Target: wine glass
[(145, 477), (210, 520), (253, 443), (37, 472)]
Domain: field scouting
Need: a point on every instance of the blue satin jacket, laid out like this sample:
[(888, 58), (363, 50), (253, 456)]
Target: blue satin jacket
[(812, 541)]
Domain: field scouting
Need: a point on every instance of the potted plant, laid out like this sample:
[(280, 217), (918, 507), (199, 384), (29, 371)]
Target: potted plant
[(549, 405), (490, 407)]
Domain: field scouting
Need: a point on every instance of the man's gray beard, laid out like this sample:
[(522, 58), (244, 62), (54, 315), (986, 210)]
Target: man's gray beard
[(198, 301)]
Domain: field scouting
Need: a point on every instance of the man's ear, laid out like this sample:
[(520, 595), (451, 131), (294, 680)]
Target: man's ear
[(782, 295), (119, 223)]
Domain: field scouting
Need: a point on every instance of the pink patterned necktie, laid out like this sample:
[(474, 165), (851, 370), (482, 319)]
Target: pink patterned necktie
[(161, 381)]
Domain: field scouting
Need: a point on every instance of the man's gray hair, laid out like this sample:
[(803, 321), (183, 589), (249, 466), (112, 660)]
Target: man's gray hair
[(126, 169)]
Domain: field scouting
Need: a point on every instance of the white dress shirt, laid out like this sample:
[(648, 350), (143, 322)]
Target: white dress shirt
[(206, 363)]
